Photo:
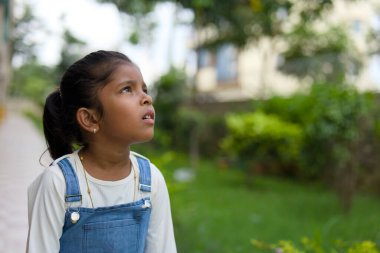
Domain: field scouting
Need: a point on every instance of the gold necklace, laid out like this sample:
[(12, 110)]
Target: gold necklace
[(88, 186), (85, 176)]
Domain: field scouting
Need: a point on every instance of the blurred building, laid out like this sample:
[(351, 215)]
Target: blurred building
[(229, 74), (5, 47)]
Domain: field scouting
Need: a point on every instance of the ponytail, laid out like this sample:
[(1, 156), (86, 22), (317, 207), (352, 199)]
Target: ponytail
[(58, 142)]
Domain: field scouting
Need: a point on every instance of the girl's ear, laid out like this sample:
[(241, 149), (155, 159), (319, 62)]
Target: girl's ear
[(88, 119)]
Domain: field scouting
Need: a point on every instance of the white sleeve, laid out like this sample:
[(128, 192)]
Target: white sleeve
[(160, 232), (46, 211)]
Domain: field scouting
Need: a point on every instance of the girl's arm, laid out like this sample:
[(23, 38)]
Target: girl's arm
[(160, 232), (46, 211)]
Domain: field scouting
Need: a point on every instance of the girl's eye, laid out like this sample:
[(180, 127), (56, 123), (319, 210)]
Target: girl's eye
[(126, 89), (145, 91)]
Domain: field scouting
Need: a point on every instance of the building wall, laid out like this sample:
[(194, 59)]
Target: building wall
[(256, 66)]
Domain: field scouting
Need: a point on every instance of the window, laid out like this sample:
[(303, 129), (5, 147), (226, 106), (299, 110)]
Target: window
[(357, 26), (226, 63), (204, 58)]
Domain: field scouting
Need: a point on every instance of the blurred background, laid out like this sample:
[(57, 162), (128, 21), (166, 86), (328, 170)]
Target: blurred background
[(268, 113)]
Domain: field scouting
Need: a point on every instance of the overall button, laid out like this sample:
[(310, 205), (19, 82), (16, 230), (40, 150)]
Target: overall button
[(74, 217), (146, 204)]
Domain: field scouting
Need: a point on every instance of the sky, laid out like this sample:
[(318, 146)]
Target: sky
[(102, 27)]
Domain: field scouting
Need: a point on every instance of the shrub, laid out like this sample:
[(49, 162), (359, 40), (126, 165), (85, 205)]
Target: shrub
[(263, 139), (308, 245)]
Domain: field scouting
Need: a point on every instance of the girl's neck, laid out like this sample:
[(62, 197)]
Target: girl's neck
[(106, 164)]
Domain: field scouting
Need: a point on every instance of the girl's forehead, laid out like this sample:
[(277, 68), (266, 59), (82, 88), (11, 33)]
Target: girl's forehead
[(123, 73), (127, 69)]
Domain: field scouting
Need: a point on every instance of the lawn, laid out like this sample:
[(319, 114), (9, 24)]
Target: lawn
[(217, 212)]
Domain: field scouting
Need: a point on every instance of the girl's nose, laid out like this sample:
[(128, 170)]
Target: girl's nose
[(147, 99)]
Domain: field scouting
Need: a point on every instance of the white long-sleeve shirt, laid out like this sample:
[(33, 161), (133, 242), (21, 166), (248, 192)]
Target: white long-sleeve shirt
[(46, 205)]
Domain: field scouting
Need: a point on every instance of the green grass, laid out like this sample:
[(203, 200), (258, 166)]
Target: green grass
[(217, 212)]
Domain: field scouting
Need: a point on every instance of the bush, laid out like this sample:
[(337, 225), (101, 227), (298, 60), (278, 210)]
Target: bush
[(179, 126), (340, 136), (308, 245), (265, 140)]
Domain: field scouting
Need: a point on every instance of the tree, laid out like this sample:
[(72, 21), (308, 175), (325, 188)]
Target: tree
[(33, 81), (70, 52), (325, 56), (5, 60), (243, 22), (23, 46), (138, 17), (236, 22)]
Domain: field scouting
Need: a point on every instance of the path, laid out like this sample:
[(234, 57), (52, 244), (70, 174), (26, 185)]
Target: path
[(21, 147)]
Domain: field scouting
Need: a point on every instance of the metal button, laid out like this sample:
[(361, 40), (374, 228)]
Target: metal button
[(74, 217)]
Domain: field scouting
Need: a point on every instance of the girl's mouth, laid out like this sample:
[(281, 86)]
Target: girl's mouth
[(149, 117)]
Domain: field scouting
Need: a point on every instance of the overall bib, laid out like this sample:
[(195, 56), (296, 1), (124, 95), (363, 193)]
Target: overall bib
[(112, 229)]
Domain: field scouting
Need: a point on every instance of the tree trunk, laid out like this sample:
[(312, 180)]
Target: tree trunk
[(194, 148), (345, 183), (5, 59)]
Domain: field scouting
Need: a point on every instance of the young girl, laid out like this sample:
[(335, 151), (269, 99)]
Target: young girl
[(101, 197)]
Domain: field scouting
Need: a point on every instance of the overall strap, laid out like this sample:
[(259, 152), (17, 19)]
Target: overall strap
[(145, 178), (72, 185)]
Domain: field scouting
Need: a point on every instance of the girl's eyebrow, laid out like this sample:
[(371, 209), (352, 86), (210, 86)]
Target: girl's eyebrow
[(132, 82)]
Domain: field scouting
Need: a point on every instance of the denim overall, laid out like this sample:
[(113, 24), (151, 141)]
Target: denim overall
[(113, 229)]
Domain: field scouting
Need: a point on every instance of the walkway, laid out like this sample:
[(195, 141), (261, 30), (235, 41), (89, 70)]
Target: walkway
[(21, 147)]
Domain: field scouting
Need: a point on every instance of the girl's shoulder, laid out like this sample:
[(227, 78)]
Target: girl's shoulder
[(51, 177), (156, 174)]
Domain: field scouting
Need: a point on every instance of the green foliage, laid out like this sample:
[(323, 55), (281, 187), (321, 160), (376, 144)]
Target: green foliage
[(340, 130), (178, 125), (70, 52), (170, 95), (139, 19), (235, 22), (364, 247), (323, 56), (333, 127), (305, 41), (138, 7), (291, 109), (309, 245), (241, 22), (33, 81), (263, 138), (23, 46), (334, 119)]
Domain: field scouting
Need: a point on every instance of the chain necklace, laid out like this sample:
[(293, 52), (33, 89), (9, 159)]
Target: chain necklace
[(88, 186)]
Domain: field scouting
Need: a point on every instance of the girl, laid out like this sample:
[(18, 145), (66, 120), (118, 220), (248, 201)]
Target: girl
[(101, 197)]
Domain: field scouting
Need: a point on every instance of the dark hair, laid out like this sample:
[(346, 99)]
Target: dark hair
[(78, 88)]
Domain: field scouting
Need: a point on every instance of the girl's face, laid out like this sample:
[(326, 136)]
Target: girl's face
[(128, 113)]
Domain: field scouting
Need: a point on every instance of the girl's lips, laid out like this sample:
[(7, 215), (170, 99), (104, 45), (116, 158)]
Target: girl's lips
[(149, 117)]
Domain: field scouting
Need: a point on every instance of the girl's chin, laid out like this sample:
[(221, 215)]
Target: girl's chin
[(146, 138)]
